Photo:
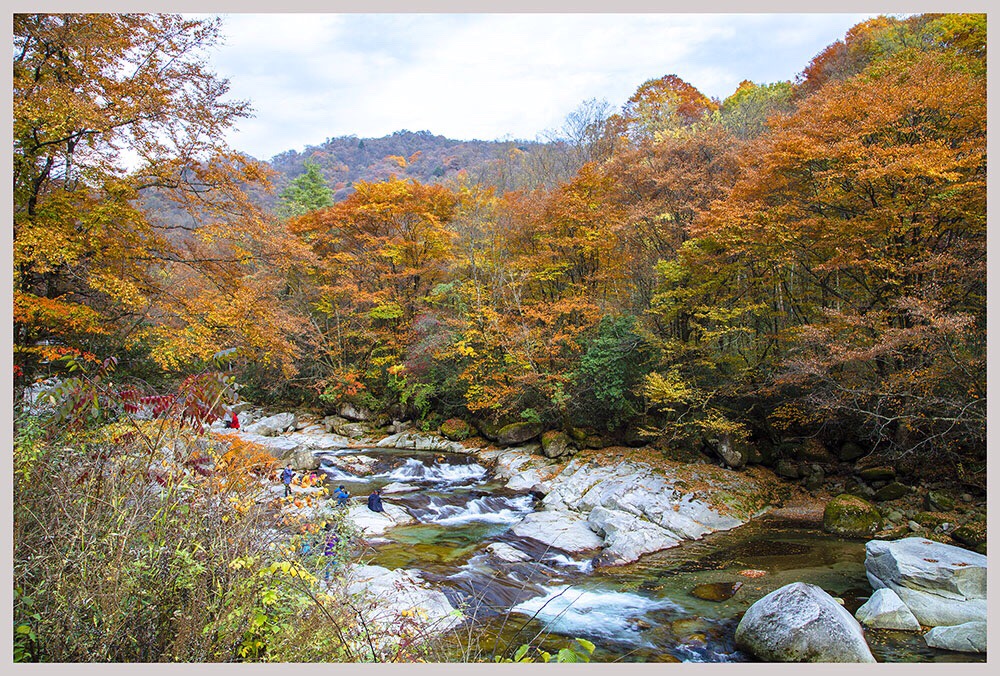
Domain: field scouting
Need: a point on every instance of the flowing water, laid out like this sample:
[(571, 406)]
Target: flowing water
[(641, 612)]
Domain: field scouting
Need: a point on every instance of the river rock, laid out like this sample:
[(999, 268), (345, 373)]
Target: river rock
[(877, 474), (304, 460), (279, 422), (358, 465), (972, 534), (937, 501), (528, 480), (555, 444), (396, 487), (422, 442), (892, 491), (376, 523), (281, 448), (716, 591), (319, 442), (885, 610), (968, 637), (561, 529), (660, 497), (732, 453), (851, 516), (627, 536), (941, 584), (801, 623), (787, 468), (850, 451), (507, 553), (400, 597), (518, 433), (355, 413)]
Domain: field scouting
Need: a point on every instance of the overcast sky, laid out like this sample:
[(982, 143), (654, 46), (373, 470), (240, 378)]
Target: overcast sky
[(311, 77)]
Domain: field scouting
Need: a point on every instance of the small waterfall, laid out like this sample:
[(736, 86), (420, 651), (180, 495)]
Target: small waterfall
[(414, 470), (489, 508), (578, 612)]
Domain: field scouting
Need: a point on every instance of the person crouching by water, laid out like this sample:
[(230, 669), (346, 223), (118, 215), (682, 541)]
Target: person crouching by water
[(342, 496), (375, 501), (286, 478)]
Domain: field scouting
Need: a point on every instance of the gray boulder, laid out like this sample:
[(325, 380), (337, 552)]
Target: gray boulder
[(555, 444), (355, 413), (279, 422), (518, 433), (801, 623), (940, 584), (627, 537), (885, 610), (969, 637), (506, 553), (422, 442), (733, 454), (564, 530), (398, 597), (304, 460)]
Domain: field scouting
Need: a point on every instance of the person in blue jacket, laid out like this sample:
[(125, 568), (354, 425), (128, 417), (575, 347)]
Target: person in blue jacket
[(342, 496), (286, 478)]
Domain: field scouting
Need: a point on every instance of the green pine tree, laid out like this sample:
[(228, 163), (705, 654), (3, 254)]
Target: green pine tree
[(306, 193)]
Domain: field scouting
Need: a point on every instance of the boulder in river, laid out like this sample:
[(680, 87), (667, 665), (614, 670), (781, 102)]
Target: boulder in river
[(941, 584), (422, 442), (968, 637), (627, 536), (851, 516), (400, 597), (801, 623), (375, 523), (507, 553), (885, 610), (716, 591), (563, 530)]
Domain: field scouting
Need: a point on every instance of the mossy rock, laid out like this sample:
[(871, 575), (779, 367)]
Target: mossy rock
[(938, 501), (716, 591), (555, 444), (892, 491), (850, 451), (577, 434), (518, 433), (884, 473), (813, 450), (456, 429), (930, 519), (851, 516), (893, 532), (972, 534), (487, 429)]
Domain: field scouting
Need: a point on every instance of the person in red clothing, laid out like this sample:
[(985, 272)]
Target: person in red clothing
[(230, 420)]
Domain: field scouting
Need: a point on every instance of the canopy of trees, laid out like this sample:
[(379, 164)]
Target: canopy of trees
[(803, 258)]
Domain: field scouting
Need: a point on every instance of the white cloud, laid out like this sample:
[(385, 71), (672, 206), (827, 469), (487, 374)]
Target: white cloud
[(314, 76)]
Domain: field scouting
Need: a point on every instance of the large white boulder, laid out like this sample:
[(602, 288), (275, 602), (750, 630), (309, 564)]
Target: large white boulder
[(422, 442), (373, 524), (941, 584), (400, 598), (319, 441), (626, 536), (801, 623), (969, 637), (885, 610), (565, 530)]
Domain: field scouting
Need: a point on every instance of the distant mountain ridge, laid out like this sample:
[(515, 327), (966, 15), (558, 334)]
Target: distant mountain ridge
[(421, 155)]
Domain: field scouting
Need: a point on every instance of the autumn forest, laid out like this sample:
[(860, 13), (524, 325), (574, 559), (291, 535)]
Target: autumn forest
[(801, 260)]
